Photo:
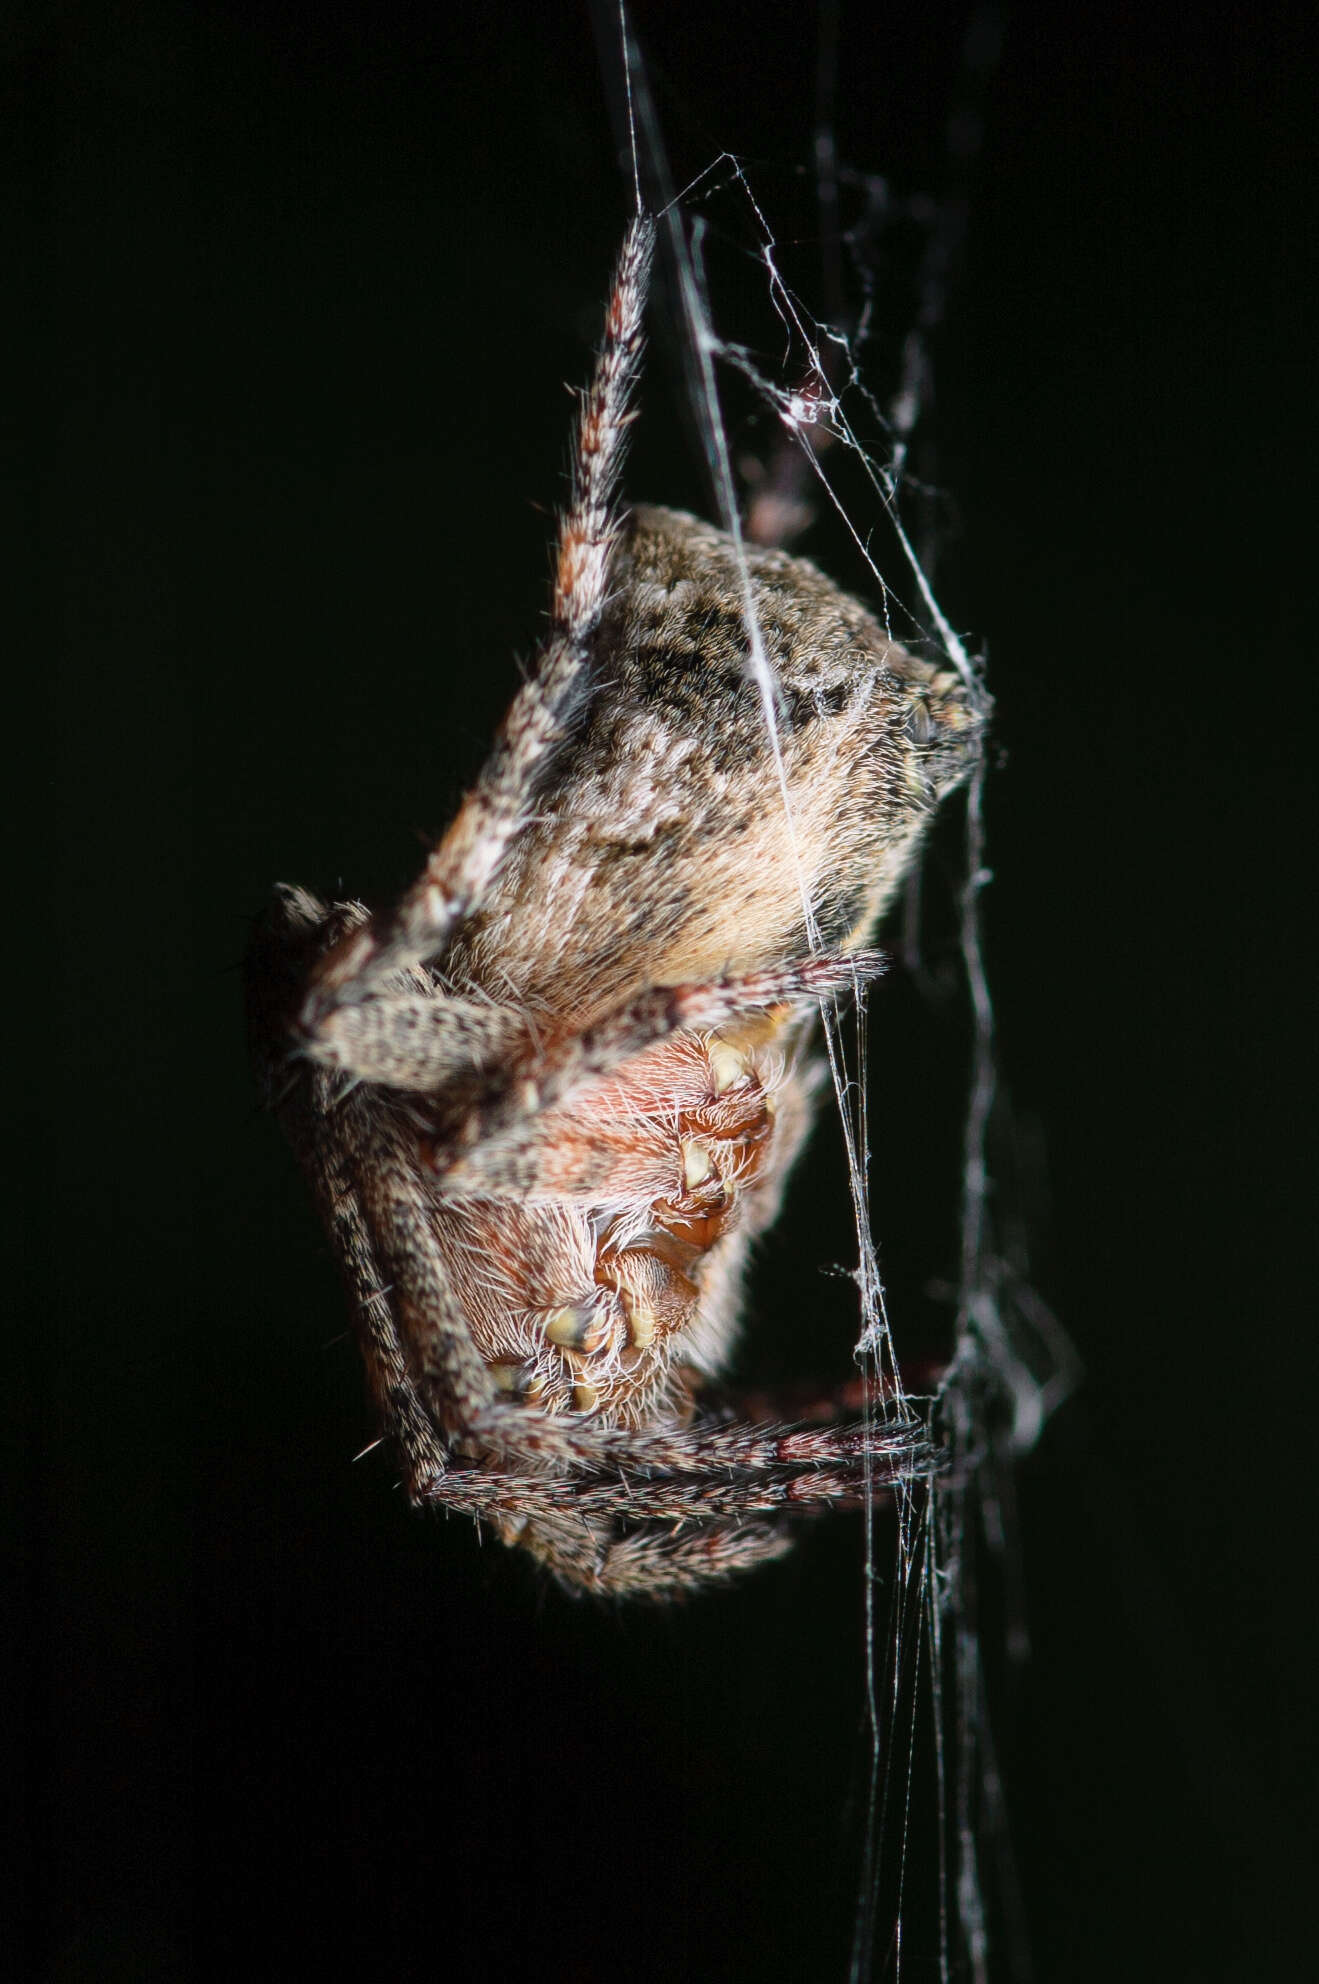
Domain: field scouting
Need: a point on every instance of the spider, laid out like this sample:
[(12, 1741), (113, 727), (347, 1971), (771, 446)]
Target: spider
[(548, 1101)]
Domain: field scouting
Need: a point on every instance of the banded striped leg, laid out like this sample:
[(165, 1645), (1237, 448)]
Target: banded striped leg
[(549, 703)]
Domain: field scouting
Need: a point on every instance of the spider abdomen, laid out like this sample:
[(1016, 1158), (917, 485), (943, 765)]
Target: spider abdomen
[(679, 835)]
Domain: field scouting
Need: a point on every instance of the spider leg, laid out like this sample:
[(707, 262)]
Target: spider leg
[(591, 1554), (425, 1310), (549, 703), (335, 1137), (707, 1494), (413, 1038), (579, 1538), (418, 1042), (656, 1564), (498, 1149), (658, 1536), (628, 1460)]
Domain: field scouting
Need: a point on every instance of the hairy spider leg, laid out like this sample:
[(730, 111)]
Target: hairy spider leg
[(542, 714), (417, 1042)]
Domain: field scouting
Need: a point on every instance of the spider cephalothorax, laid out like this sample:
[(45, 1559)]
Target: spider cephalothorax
[(549, 1100)]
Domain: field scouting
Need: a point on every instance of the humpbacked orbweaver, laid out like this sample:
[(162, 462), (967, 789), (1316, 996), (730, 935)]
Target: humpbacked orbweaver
[(549, 1100)]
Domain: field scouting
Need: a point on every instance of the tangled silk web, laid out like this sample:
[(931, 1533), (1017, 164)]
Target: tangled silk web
[(844, 403)]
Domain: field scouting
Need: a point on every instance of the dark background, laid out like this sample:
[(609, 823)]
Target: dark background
[(298, 289)]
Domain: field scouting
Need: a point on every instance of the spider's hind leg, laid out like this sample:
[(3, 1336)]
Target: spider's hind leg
[(548, 706), (662, 1564), (654, 1514)]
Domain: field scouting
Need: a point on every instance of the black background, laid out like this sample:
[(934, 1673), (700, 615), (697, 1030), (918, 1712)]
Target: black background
[(299, 288)]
